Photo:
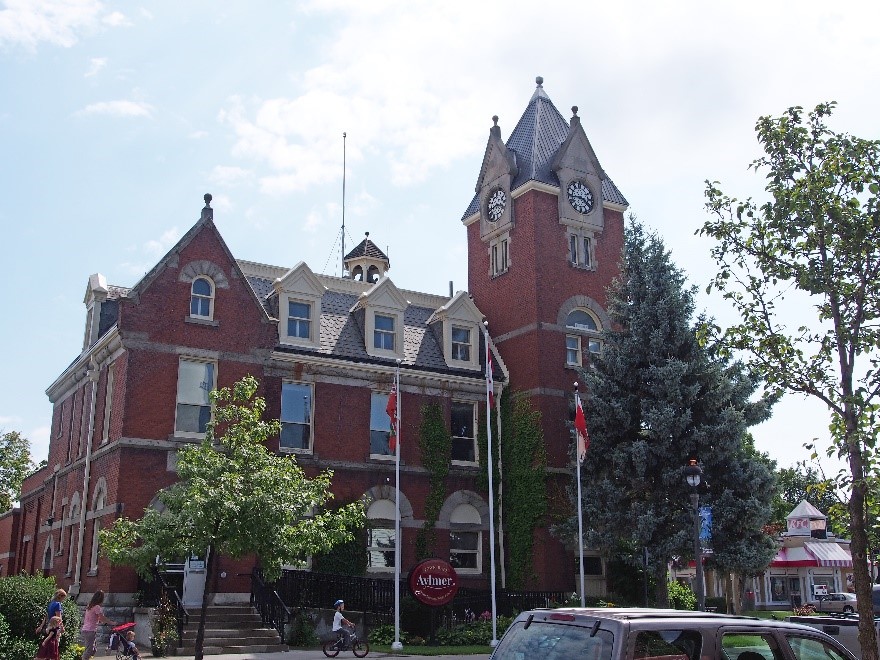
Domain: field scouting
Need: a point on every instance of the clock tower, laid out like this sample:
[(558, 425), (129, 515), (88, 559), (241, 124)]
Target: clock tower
[(545, 239)]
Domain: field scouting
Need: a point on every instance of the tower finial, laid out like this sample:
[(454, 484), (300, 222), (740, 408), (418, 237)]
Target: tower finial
[(574, 110), (207, 212), (208, 197), (539, 80)]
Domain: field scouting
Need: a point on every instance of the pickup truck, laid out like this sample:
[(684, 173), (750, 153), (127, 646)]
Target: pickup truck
[(653, 634)]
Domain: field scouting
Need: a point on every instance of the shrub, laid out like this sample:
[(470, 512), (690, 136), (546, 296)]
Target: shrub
[(681, 596), (384, 635), (475, 633), (23, 600), (718, 602), (301, 630)]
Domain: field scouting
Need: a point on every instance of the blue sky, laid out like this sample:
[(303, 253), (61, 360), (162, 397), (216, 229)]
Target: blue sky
[(115, 119)]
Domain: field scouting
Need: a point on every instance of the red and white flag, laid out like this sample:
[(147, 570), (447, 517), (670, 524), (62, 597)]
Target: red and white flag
[(580, 426), (391, 410), (490, 384)]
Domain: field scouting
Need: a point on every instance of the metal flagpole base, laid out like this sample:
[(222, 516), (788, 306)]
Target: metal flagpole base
[(396, 646), (493, 643)]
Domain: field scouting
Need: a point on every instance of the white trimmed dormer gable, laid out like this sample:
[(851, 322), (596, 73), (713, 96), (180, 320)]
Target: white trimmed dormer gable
[(299, 307), (96, 295), (580, 180), (460, 331), (497, 172), (383, 307)]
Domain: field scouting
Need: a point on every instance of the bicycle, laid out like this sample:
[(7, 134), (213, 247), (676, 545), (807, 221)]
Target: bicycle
[(359, 647)]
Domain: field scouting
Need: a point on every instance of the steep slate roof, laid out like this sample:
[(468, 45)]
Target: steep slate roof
[(341, 336), (537, 136), (366, 248)]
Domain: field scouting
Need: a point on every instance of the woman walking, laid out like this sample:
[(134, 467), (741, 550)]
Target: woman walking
[(52, 609), (94, 615)]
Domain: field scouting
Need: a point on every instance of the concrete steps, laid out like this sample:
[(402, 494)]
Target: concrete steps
[(230, 629)]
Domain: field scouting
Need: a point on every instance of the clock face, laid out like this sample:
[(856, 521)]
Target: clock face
[(580, 197), (495, 207)]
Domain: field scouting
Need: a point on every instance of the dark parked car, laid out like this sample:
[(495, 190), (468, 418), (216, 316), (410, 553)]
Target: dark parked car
[(843, 602), (647, 634)]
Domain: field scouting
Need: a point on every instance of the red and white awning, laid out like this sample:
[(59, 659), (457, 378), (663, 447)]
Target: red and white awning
[(793, 558), (830, 554)]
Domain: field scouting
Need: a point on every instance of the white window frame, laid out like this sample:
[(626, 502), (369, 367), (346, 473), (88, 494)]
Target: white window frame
[(499, 255), (211, 386), (580, 334), (581, 247), (310, 422), (381, 522), (108, 405), (470, 526), (201, 297), (100, 503), (384, 332), (573, 351), (382, 423), (467, 346), (299, 320), (473, 407)]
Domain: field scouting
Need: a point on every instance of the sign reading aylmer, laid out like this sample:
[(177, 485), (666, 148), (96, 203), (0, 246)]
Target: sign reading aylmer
[(433, 582)]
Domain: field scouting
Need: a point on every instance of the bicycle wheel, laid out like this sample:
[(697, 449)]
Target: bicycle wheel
[(330, 649), (360, 648)]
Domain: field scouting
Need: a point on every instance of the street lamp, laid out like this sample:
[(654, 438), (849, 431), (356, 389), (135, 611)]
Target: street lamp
[(693, 474)]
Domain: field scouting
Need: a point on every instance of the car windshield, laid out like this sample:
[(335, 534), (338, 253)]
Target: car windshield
[(553, 641)]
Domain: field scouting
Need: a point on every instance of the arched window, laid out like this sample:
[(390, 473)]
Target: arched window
[(202, 301), (100, 501), (373, 275), (381, 515), (47, 556), (358, 274), (465, 539), (72, 519), (585, 325)]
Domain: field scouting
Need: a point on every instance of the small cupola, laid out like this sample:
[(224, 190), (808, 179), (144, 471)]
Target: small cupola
[(366, 262)]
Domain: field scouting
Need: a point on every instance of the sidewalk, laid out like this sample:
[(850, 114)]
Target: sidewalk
[(313, 654)]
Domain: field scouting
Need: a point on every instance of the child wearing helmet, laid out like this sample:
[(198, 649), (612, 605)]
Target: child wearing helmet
[(340, 624)]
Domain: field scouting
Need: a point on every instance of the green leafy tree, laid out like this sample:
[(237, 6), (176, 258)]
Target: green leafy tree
[(812, 249), (656, 398), (235, 498), (15, 465)]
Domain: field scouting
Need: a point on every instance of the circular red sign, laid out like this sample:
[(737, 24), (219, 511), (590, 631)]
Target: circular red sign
[(433, 582)]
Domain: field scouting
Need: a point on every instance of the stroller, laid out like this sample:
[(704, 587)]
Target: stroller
[(118, 642)]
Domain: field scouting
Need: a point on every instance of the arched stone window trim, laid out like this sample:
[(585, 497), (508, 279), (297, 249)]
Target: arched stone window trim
[(201, 304), (49, 553), (379, 503), (465, 534), (99, 501), (99, 494), (72, 520), (577, 337), (586, 303), (207, 268)]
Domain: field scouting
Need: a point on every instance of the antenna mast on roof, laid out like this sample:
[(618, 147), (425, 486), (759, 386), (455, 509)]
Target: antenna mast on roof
[(342, 270)]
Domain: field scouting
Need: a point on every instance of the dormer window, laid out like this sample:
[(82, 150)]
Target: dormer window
[(383, 332), (461, 343), (299, 320), (202, 301)]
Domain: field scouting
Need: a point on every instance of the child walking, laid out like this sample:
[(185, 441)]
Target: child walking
[(49, 646)]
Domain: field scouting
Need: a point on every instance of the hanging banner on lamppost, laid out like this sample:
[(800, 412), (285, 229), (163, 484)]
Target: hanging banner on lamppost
[(706, 527)]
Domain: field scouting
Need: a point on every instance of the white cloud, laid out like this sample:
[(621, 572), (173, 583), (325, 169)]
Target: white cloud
[(7, 421), (39, 441), (224, 175), (198, 135), (29, 23), (95, 65), (118, 109), (116, 19), (158, 247)]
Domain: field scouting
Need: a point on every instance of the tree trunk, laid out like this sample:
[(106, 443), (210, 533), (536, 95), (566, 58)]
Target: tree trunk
[(859, 549), (209, 575), (661, 595)]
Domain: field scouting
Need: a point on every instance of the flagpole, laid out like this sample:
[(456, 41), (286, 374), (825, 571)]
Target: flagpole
[(397, 645), (489, 396), (577, 458)]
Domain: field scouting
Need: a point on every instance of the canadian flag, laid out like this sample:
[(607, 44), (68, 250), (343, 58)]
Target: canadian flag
[(391, 410), (490, 384), (580, 426)]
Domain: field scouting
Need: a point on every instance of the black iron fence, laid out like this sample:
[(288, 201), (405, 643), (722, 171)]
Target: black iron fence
[(152, 593), (375, 597), (271, 608)]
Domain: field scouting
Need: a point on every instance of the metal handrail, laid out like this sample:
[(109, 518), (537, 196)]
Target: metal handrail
[(269, 604)]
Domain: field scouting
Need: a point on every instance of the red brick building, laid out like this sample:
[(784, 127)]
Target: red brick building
[(544, 232)]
